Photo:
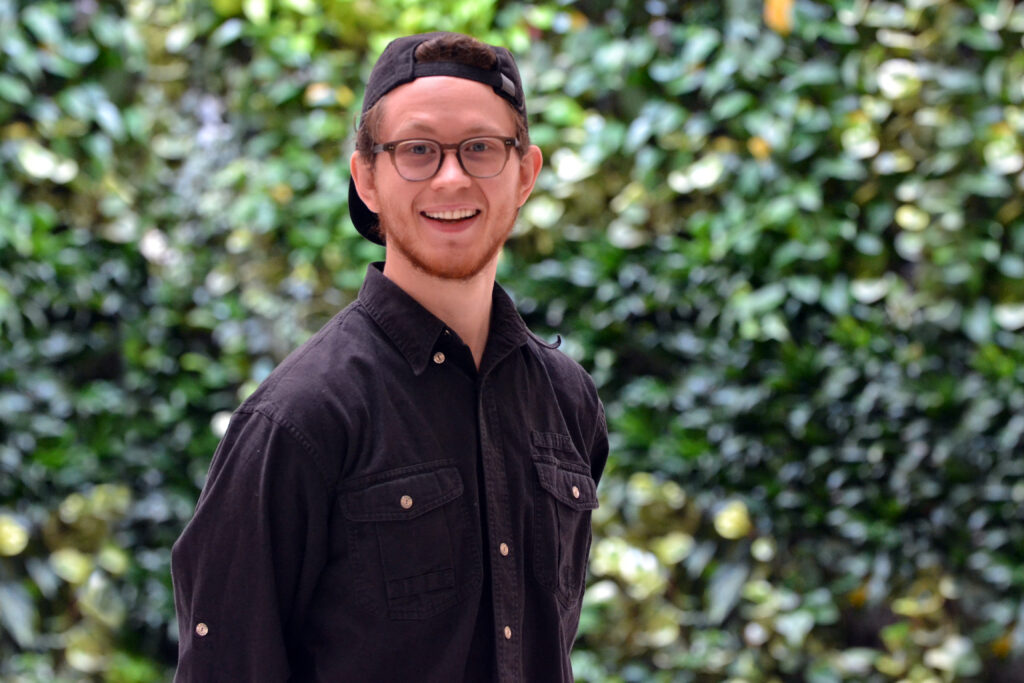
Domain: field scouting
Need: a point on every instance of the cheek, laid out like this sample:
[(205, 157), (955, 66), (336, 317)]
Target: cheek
[(505, 193), (394, 196)]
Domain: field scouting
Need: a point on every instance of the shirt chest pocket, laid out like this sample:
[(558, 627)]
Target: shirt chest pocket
[(408, 533), (561, 527)]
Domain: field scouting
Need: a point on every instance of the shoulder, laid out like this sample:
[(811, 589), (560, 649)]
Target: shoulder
[(573, 387), (567, 376), (314, 392), (349, 344), (578, 401)]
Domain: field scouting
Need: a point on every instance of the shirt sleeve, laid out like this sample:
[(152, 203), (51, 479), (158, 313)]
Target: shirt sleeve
[(245, 566)]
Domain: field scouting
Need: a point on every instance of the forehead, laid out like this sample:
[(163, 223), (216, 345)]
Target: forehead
[(445, 107)]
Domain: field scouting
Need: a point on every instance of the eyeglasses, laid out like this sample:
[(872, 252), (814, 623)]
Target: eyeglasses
[(420, 159)]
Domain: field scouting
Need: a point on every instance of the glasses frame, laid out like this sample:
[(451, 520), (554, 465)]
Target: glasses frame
[(389, 147)]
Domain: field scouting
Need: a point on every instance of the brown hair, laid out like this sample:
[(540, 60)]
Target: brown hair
[(447, 48)]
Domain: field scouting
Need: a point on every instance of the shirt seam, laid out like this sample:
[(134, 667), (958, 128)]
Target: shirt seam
[(299, 437), (264, 410), (599, 421), (305, 350)]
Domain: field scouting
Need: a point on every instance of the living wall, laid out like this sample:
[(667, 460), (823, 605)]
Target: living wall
[(786, 239)]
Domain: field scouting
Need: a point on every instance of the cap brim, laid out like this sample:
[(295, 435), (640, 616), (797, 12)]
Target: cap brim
[(366, 221)]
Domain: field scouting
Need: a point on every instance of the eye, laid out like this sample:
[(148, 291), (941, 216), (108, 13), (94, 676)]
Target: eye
[(478, 146), (416, 149)]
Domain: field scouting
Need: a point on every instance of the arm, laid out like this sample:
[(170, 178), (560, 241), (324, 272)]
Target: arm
[(245, 566), (599, 445)]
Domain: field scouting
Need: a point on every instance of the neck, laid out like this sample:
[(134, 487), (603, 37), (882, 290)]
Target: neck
[(463, 305)]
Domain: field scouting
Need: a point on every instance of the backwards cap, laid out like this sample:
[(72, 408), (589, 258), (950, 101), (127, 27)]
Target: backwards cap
[(397, 66)]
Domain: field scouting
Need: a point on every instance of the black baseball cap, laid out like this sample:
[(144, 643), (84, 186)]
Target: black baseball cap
[(396, 66)]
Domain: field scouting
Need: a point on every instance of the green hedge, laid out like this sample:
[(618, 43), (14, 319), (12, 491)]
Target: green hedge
[(789, 251)]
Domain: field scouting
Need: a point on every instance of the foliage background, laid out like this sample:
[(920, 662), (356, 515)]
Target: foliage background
[(785, 238)]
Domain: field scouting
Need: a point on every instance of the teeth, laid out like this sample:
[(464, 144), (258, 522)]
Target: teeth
[(450, 215)]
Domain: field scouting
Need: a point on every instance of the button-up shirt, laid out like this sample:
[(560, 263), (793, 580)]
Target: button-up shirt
[(380, 509)]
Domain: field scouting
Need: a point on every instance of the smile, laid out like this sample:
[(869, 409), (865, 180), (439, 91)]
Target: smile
[(452, 216)]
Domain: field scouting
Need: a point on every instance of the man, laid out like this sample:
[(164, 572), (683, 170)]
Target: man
[(407, 497)]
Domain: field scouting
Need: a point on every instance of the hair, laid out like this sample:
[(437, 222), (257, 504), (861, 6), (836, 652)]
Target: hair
[(446, 48)]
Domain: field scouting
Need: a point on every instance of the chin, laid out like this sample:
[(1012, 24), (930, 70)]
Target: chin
[(452, 269), (442, 263)]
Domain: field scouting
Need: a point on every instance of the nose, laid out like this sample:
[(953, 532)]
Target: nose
[(451, 172)]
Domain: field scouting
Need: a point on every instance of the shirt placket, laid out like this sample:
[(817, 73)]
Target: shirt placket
[(507, 611)]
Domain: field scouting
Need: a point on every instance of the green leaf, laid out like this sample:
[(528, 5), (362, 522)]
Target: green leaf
[(795, 627), (44, 24), (724, 590), (18, 614), (731, 105), (228, 32), (257, 11), (14, 90)]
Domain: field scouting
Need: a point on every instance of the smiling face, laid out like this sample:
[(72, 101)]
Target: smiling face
[(451, 226)]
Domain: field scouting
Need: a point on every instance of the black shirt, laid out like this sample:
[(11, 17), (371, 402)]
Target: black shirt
[(381, 510)]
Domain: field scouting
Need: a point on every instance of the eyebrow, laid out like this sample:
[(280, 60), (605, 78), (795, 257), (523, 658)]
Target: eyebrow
[(423, 128)]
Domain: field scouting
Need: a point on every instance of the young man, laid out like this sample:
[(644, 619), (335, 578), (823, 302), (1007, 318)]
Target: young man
[(407, 497)]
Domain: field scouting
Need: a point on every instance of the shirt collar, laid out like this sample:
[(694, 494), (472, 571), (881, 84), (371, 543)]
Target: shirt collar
[(414, 330)]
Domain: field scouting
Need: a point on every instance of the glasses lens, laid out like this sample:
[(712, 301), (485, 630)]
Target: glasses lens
[(483, 157), (417, 159)]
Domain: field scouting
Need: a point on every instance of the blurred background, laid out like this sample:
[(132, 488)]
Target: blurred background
[(785, 237)]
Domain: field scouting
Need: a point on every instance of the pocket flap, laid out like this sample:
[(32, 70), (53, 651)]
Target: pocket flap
[(575, 489), (404, 497)]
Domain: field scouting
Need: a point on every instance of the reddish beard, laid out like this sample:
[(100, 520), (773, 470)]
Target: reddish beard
[(455, 269)]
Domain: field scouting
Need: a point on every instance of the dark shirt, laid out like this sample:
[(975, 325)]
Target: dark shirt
[(381, 510)]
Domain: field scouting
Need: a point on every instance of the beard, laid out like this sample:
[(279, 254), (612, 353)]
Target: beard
[(455, 267)]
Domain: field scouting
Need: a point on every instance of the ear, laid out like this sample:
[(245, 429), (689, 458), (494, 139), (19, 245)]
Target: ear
[(366, 182), (529, 168)]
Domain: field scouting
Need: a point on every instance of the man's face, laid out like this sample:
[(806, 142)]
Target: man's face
[(452, 225)]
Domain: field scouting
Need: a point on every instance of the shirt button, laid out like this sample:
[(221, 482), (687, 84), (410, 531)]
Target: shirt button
[(503, 549), (202, 629), (438, 357), (575, 491), (508, 633), (405, 502)]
